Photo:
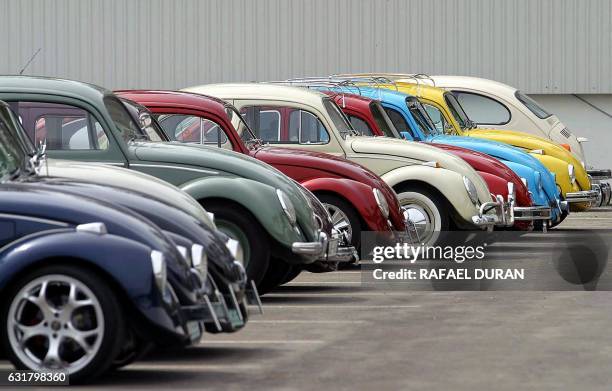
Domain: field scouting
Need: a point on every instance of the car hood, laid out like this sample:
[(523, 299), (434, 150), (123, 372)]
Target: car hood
[(162, 214), (217, 159), (420, 152), (485, 163), (129, 180), (529, 142)]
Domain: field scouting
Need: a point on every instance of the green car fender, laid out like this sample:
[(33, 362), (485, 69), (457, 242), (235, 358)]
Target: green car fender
[(258, 198)]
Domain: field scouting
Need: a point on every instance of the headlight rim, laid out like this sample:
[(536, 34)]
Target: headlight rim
[(471, 190), (381, 201), (287, 206)]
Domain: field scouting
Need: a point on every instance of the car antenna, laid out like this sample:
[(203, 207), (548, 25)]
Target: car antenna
[(29, 61)]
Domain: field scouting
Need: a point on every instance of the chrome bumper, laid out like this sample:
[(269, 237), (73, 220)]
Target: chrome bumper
[(312, 249), (532, 213), (339, 249), (603, 198), (582, 196), (600, 173), (484, 219)]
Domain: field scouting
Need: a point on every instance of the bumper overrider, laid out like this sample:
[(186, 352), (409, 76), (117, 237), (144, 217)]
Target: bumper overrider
[(325, 248), (590, 196), (605, 193), (507, 212)]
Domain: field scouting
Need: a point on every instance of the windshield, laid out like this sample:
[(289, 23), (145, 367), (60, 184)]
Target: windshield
[(123, 120), (383, 121), (421, 117), (457, 111), (239, 124), (532, 105), (12, 155), (148, 125), (338, 118)]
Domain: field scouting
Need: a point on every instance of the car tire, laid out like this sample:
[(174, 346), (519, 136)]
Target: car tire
[(56, 322), (341, 212), (278, 270), (239, 224), (429, 211), (292, 275)]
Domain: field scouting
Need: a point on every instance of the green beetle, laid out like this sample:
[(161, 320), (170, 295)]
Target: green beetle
[(252, 202)]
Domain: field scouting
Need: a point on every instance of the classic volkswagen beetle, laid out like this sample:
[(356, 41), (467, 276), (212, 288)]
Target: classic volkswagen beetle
[(182, 217), (261, 208), (445, 188), (356, 199), (363, 112), (491, 103), (66, 295), (449, 117)]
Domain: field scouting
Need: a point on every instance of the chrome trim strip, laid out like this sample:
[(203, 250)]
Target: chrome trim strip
[(175, 168)]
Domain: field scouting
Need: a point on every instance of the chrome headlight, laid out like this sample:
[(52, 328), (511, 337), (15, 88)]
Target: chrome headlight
[(287, 206), (572, 173), (236, 250), (471, 190), (160, 273), (199, 260), (381, 201)]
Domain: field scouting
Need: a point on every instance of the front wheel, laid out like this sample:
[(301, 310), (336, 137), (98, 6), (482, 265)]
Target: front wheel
[(239, 225), (428, 212), (344, 218), (65, 318)]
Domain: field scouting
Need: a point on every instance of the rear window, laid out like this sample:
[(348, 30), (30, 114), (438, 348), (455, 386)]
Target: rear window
[(532, 105)]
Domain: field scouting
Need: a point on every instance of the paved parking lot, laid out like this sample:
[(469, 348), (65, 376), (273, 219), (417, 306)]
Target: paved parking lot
[(326, 331)]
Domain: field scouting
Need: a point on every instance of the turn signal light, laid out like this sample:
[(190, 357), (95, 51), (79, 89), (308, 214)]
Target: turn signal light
[(567, 146)]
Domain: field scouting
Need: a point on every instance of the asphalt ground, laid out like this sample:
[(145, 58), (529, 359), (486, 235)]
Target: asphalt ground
[(328, 331)]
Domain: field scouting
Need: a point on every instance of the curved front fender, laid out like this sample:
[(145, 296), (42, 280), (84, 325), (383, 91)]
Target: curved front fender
[(126, 262), (448, 183), (258, 198), (559, 168), (358, 194)]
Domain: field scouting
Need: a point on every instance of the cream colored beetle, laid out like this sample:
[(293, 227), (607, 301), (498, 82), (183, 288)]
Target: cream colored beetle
[(426, 179)]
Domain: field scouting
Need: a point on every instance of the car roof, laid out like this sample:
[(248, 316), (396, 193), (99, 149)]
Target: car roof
[(259, 91), (52, 85), (474, 83), (173, 98)]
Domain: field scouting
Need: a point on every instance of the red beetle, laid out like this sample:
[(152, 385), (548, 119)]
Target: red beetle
[(494, 172), (356, 198)]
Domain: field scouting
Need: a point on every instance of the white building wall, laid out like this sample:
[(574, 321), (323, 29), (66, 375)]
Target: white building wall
[(543, 46)]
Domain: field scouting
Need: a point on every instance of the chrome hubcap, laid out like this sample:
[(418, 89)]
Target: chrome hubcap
[(55, 322), (421, 217), (340, 220)]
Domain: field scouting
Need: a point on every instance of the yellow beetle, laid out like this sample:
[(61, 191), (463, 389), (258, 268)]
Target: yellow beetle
[(446, 112)]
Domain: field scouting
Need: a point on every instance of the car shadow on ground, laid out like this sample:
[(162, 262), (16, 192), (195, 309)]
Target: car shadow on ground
[(209, 353), (295, 299)]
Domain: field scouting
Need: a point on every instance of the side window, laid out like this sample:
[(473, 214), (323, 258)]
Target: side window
[(62, 127), (192, 129), (360, 125), (436, 117), (285, 124), (308, 128), (482, 109)]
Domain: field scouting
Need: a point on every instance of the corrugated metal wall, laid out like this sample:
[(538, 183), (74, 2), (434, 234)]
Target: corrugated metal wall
[(544, 46)]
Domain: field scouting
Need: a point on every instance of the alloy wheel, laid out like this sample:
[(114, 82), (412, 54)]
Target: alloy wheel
[(56, 322)]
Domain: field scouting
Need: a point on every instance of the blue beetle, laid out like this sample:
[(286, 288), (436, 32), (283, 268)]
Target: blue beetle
[(404, 109)]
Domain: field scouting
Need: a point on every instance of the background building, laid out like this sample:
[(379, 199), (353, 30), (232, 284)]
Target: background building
[(552, 49)]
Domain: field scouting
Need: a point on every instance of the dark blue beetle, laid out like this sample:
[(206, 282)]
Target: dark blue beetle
[(77, 274)]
